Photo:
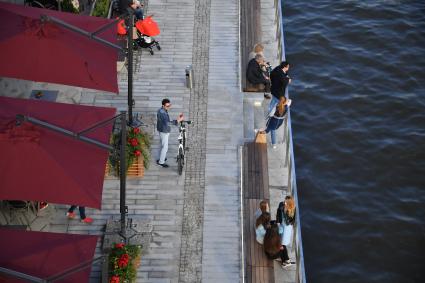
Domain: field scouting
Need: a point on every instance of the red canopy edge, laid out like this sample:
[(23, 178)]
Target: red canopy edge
[(41, 165), (44, 254), (47, 52)]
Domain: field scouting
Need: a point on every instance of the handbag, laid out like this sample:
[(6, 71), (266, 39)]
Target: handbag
[(287, 234)]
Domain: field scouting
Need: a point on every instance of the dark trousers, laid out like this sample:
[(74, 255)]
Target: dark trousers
[(82, 210), (283, 254)]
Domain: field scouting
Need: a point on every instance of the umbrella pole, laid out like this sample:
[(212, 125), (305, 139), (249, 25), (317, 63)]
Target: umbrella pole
[(123, 170), (130, 66)]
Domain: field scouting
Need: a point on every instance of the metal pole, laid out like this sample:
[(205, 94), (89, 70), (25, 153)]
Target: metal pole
[(54, 128), (123, 171), (130, 66), (72, 270), (107, 25), (98, 125), (78, 30), (20, 275)]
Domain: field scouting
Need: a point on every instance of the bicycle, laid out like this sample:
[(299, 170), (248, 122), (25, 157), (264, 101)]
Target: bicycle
[(182, 145)]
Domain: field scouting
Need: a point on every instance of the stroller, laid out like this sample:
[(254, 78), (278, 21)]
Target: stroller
[(146, 29)]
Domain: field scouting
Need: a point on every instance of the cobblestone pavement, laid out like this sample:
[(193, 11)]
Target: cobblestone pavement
[(194, 187)]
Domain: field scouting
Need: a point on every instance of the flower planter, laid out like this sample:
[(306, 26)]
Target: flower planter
[(136, 170), (122, 264)]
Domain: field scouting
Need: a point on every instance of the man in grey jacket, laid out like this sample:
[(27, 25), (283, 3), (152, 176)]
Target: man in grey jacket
[(163, 127)]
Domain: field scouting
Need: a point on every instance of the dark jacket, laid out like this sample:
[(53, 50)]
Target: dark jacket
[(279, 80), (254, 74), (281, 216), (163, 121)]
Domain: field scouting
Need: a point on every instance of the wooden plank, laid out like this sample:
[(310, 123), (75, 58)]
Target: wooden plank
[(248, 274), (251, 171), (248, 235), (245, 171)]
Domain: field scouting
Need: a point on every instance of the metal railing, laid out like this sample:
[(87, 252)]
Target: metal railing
[(297, 245)]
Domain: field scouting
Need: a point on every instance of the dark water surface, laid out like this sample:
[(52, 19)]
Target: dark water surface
[(359, 132)]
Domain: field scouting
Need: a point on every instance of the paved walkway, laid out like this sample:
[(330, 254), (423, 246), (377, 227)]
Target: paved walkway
[(196, 216)]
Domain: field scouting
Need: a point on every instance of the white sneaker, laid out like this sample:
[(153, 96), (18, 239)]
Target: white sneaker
[(286, 265), (274, 146)]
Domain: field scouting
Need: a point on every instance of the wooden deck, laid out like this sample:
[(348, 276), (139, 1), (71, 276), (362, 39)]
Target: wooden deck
[(258, 268)]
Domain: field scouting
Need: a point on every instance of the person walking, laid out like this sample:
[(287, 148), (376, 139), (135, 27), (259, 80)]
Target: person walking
[(276, 117), (279, 79), (164, 129), (71, 215)]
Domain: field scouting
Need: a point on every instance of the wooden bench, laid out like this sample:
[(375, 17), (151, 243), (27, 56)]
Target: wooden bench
[(258, 268), (250, 34)]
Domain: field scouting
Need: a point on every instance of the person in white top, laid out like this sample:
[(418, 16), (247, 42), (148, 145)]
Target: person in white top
[(261, 225)]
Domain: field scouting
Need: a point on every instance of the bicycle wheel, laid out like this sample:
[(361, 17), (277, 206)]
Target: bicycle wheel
[(180, 161)]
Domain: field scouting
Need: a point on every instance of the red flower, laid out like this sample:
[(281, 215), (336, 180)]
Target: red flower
[(119, 245), (134, 142), (136, 130), (137, 153), (114, 279), (123, 261)]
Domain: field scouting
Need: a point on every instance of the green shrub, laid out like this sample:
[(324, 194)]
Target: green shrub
[(101, 8), (67, 6)]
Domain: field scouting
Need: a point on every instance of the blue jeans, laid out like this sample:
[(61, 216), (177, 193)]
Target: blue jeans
[(163, 139), (273, 103), (272, 125), (138, 12)]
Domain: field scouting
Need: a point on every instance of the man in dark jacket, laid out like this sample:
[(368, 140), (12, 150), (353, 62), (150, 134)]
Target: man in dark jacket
[(255, 75), (280, 79), (163, 128)]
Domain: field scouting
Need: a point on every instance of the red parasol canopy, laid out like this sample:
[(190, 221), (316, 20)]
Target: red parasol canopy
[(39, 164), (42, 254), (46, 52), (148, 26)]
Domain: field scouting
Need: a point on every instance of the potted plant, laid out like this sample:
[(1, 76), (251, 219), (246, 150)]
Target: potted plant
[(138, 147), (123, 262), (101, 8)]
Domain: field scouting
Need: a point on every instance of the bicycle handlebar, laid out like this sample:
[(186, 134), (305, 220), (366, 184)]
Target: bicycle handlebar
[(185, 122)]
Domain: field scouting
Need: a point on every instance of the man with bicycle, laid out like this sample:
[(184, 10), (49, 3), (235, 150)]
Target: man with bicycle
[(164, 129)]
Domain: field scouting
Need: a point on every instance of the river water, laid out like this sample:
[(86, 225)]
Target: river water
[(358, 114)]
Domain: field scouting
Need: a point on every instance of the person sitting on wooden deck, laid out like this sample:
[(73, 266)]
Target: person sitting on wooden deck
[(258, 49), (138, 10), (273, 247), (264, 207), (256, 76), (261, 225)]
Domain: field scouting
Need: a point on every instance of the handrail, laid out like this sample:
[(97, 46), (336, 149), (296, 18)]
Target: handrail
[(297, 245)]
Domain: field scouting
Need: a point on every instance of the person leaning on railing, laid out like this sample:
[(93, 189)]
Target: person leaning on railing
[(279, 79), (276, 117)]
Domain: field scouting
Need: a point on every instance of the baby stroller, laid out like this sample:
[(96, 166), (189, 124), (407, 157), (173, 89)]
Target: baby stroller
[(146, 29)]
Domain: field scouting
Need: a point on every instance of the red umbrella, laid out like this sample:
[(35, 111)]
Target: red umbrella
[(46, 52), (39, 164), (148, 26), (42, 254)]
